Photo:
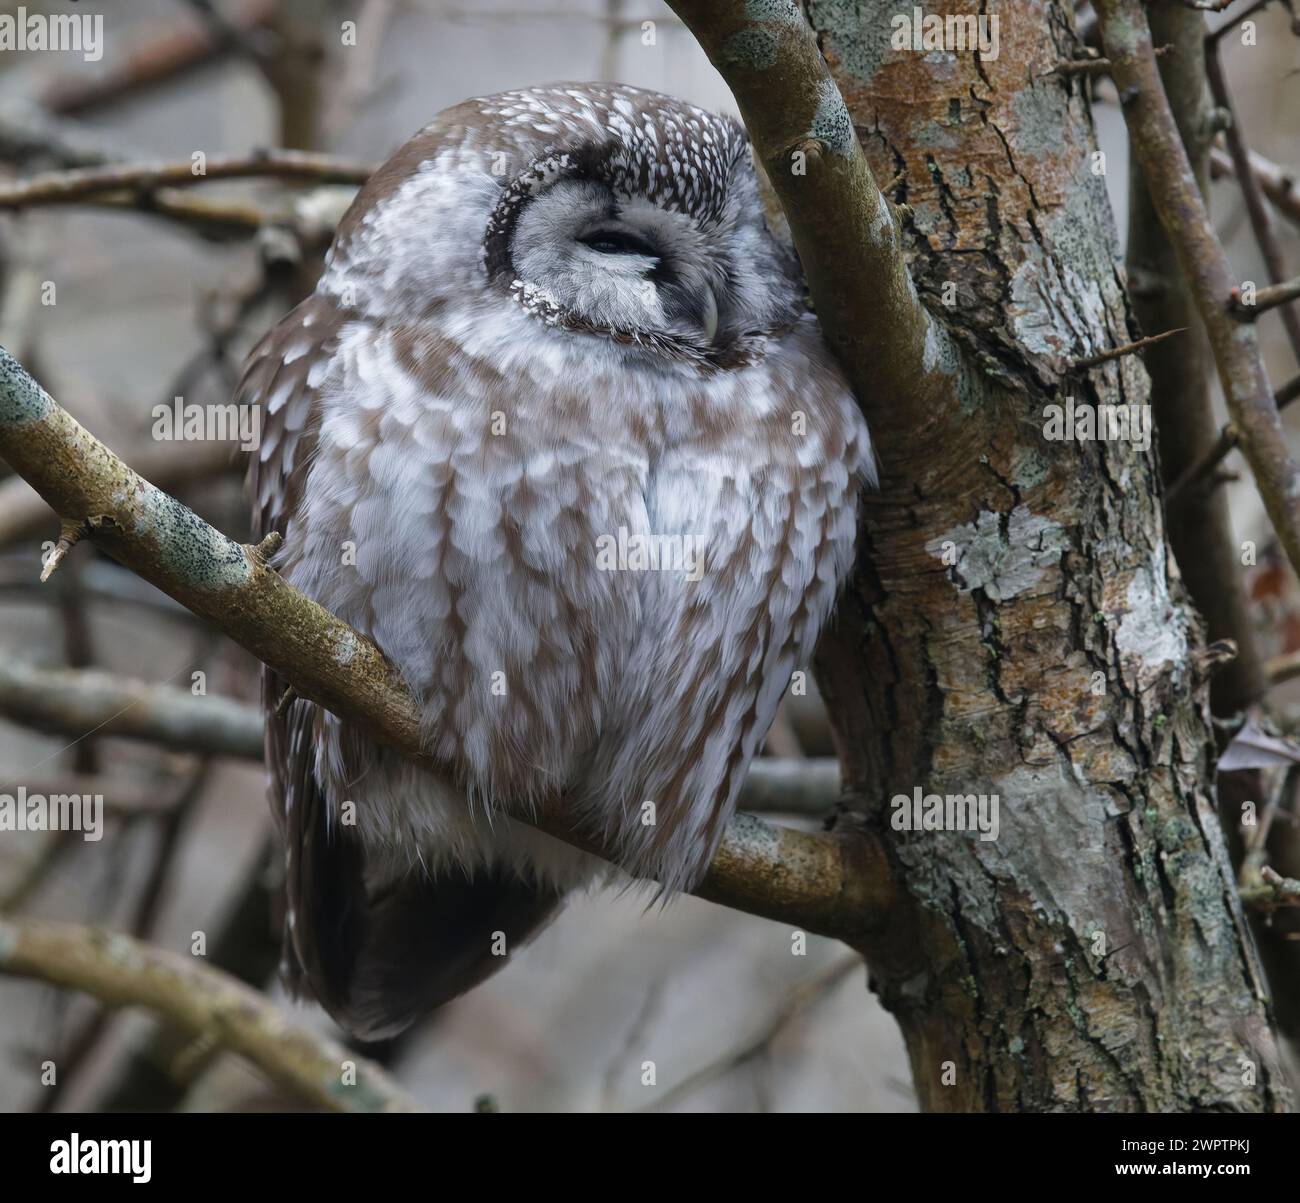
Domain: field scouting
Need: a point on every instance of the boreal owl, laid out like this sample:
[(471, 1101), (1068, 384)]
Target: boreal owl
[(558, 433)]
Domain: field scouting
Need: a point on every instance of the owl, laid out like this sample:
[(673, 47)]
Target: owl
[(557, 432)]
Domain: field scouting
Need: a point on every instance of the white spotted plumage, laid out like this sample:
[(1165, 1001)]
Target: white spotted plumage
[(499, 369)]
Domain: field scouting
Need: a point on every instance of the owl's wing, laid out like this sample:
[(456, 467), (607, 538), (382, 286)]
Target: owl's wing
[(377, 956), (280, 377)]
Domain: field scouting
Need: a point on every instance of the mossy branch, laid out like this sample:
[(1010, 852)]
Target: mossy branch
[(899, 358)]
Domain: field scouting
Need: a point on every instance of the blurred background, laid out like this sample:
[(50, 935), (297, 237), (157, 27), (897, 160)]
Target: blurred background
[(117, 310)]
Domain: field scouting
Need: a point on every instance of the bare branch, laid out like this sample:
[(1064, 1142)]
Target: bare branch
[(1201, 471), (213, 1006), (1159, 148), (159, 57), (842, 225), (834, 884), (114, 179), (1091, 66), (1127, 349), (1261, 220), (74, 702), (24, 515), (1277, 183), (1271, 891)]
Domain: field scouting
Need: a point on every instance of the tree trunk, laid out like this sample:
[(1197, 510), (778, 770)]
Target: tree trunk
[(1013, 629)]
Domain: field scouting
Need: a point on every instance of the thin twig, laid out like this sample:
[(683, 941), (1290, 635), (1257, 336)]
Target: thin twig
[(1271, 892), (1265, 299), (1142, 344), (1276, 182), (156, 59), (1212, 38), (1091, 66), (77, 701), (803, 996), (1200, 472)]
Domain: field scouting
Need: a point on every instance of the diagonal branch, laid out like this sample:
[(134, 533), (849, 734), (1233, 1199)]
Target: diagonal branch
[(898, 358), (834, 884), (1159, 149), (1261, 221), (216, 1009)]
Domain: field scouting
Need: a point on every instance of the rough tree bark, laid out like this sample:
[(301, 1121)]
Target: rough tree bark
[(1094, 956)]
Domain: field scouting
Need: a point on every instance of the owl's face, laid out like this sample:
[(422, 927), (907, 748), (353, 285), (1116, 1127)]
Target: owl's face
[(599, 211)]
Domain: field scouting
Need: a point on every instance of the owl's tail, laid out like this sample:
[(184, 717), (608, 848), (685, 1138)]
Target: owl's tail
[(382, 962), (379, 960), (379, 955)]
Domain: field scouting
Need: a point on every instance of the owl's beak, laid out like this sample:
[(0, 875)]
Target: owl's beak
[(710, 315)]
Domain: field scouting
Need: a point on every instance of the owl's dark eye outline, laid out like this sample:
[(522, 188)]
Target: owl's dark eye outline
[(618, 242)]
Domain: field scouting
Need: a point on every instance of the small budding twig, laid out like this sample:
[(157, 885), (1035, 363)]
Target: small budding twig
[(69, 535), (207, 1003), (1271, 892)]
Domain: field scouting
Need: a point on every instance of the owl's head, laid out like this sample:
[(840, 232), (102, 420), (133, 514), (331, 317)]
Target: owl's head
[(597, 210)]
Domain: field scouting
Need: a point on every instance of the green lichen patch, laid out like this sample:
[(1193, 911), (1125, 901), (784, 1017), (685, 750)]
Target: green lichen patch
[(22, 400)]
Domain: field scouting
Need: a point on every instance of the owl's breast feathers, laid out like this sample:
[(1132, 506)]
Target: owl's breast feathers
[(596, 589)]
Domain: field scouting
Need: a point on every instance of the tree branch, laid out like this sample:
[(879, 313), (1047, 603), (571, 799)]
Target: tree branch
[(1265, 299), (23, 515), (1261, 220), (1158, 147), (834, 884), (74, 702), (213, 1006), (902, 361), (84, 183), (1277, 183), (1228, 439), (1200, 533)]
